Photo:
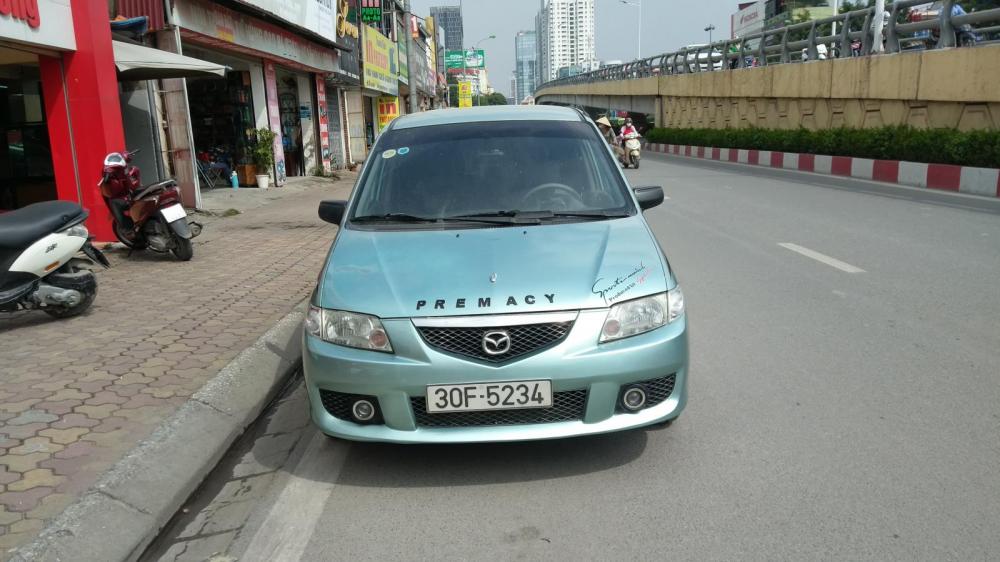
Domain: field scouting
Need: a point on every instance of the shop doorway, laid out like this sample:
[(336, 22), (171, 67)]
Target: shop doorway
[(225, 112), (26, 172), (291, 123)]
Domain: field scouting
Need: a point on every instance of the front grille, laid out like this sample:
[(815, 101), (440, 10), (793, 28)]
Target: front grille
[(468, 342), (566, 406), (338, 405), (658, 390)]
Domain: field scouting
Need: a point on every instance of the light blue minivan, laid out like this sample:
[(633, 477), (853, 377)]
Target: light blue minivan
[(493, 279)]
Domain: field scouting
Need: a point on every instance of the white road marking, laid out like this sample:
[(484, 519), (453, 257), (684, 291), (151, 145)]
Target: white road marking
[(822, 258), (285, 532)]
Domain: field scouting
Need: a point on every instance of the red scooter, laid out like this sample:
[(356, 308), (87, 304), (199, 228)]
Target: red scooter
[(146, 216)]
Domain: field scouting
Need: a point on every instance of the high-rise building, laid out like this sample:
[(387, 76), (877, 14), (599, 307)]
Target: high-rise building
[(565, 31), (449, 18), (525, 57)]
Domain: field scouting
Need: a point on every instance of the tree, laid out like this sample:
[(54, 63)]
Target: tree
[(496, 98)]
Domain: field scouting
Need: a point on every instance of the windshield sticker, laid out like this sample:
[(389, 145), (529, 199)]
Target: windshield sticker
[(389, 153), (613, 290), (403, 151), (484, 302)]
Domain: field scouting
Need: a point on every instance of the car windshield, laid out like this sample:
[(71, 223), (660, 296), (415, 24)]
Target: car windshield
[(538, 170)]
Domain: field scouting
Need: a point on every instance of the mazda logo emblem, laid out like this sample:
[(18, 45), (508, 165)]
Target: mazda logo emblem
[(496, 342)]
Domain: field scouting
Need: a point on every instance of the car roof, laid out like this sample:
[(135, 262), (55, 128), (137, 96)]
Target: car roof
[(487, 113)]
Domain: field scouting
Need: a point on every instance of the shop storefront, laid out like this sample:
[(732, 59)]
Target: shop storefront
[(58, 105), (343, 90), (276, 76)]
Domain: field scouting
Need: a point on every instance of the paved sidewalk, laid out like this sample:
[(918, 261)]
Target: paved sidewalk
[(76, 394)]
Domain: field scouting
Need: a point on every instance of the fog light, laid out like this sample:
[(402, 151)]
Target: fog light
[(634, 398), (364, 410)]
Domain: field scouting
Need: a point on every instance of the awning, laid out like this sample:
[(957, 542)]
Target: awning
[(136, 62)]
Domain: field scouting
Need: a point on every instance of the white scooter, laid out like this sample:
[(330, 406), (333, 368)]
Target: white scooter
[(633, 151), (39, 263)]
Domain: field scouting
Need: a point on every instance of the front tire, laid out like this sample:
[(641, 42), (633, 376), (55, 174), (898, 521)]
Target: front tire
[(635, 162), (183, 248)]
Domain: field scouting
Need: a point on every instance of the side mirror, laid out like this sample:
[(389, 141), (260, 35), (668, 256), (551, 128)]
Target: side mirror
[(648, 196), (333, 211)]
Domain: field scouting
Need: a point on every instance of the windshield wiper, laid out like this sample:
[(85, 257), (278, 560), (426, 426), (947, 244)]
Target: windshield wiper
[(497, 217), (607, 214), (393, 217)]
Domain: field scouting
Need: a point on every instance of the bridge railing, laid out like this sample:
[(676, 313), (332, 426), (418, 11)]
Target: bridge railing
[(812, 40)]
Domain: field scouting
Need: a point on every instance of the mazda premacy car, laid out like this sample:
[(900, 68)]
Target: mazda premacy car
[(493, 279)]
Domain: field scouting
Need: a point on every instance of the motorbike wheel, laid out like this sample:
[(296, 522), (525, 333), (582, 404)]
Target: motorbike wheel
[(183, 248), (635, 161), (71, 311), (123, 236)]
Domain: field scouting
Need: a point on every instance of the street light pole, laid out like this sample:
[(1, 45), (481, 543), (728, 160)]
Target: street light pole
[(710, 29), (879, 24), (637, 4), (408, 22), (465, 66)]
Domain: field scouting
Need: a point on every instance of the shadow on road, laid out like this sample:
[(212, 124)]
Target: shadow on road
[(396, 466)]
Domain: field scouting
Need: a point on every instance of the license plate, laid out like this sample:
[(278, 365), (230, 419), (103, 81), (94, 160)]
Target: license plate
[(475, 397), (173, 213)]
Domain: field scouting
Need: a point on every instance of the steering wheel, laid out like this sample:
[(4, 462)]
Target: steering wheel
[(555, 188)]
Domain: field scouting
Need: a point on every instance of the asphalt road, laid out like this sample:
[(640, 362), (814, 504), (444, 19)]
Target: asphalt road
[(844, 404)]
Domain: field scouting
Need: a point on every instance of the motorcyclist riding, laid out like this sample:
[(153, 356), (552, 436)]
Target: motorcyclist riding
[(627, 129), (606, 131)]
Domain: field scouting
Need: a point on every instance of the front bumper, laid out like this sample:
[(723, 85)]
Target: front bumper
[(577, 363)]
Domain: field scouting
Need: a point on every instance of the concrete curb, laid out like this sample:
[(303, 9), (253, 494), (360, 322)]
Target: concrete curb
[(123, 512), (946, 177)]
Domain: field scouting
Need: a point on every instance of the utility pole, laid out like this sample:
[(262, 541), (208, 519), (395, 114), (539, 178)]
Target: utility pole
[(408, 21), (836, 12), (879, 23)]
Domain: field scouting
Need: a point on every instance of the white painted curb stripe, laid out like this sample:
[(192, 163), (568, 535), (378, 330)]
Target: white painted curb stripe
[(764, 157), (913, 173), (790, 161), (978, 181), (862, 168), (744, 156), (822, 258), (823, 164)]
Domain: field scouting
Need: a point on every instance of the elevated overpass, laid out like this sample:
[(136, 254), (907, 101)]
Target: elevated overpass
[(921, 80)]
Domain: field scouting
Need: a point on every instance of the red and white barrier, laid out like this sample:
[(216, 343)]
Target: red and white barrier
[(964, 179)]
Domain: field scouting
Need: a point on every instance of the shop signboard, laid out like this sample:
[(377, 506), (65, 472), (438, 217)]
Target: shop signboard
[(324, 124), (371, 11), (318, 16), (465, 94), (747, 21), (471, 59), (403, 45), (46, 23), (388, 109), (274, 120), (224, 28), (420, 75), (380, 66)]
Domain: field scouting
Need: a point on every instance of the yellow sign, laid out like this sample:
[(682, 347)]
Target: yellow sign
[(345, 27), (465, 94), (388, 109), (381, 66)]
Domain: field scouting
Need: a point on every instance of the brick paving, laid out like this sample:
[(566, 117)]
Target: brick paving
[(76, 394)]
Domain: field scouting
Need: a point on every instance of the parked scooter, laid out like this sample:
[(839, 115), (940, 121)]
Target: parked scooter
[(633, 150), (146, 217), (39, 266)]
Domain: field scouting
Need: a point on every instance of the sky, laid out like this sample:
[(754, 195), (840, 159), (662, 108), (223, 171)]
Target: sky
[(667, 25)]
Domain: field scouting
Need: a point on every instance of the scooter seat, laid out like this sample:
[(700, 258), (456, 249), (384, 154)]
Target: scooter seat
[(20, 228)]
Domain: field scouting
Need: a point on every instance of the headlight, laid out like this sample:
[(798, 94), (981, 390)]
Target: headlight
[(642, 315), (348, 329)]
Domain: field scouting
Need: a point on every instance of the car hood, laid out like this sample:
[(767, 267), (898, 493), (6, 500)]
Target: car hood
[(568, 266)]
